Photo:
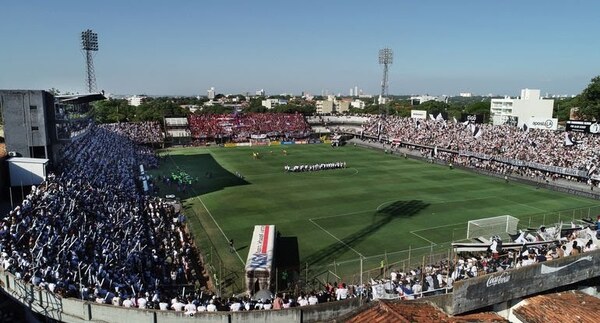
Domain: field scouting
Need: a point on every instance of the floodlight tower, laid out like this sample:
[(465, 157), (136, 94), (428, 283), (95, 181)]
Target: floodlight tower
[(386, 58), (89, 44)]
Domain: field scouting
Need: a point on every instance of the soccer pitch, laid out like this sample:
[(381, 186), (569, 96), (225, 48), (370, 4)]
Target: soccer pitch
[(380, 206)]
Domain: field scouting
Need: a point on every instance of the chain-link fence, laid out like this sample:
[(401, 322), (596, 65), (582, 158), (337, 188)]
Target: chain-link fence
[(563, 216), (227, 275)]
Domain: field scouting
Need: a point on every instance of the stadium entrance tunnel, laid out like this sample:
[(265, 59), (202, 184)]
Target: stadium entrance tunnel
[(381, 217), (287, 261), (203, 171)]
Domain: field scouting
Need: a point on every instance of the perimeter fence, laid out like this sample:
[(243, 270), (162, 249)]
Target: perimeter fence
[(227, 275)]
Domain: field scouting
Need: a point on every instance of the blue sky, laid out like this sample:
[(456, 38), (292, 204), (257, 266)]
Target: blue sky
[(184, 47)]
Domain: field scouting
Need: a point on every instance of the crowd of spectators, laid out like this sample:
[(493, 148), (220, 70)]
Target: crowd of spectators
[(147, 132), (88, 232), (70, 130), (490, 146), (438, 278), (241, 127)]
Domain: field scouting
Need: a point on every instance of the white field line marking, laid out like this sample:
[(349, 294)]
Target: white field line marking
[(338, 215), (218, 226), (389, 202), (440, 226), (420, 236), (329, 233), (210, 214)]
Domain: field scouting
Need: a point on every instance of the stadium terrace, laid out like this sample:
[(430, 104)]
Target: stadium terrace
[(90, 231)]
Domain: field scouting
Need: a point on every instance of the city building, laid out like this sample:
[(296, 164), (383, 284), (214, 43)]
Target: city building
[(519, 111), (419, 99), (324, 106), (271, 103), (358, 104), (342, 106), (38, 124), (211, 93), (260, 92), (333, 105), (465, 94), (135, 100)]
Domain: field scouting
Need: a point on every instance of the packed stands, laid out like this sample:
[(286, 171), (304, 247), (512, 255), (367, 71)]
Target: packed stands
[(241, 127), (148, 132), (500, 148), (87, 232)]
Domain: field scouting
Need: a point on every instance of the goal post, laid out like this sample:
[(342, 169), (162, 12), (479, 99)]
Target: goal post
[(487, 227)]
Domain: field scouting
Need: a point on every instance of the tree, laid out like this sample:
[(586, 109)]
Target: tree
[(434, 107), (109, 111), (562, 107), (589, 100)]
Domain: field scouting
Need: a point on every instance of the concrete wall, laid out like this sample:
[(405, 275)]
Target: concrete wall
[(19, 119), (76, 311), (475, 293)]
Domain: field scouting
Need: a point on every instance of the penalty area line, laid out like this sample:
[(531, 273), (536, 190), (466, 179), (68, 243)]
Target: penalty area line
[(422, 237), (336, 238)]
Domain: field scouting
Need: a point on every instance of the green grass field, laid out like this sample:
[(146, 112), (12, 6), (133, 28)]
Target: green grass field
[(379, 207)]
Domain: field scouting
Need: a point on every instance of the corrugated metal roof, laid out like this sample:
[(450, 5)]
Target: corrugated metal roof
[(81, 98)]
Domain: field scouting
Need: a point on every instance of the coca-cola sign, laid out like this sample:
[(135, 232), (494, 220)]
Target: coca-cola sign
[(497, 280)]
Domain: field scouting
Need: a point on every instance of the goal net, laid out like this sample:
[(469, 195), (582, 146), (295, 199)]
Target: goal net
[(488, 227)]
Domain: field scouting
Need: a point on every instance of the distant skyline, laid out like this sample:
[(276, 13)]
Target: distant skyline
[(186, 47)]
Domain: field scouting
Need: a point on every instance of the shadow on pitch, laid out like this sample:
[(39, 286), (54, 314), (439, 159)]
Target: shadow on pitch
[(206, 173), (398, 209)]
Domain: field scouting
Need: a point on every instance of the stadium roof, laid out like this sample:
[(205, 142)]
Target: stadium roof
[(81, 98)]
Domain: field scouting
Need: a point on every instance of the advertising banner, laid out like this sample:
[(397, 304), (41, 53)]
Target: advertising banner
[(472, 118), (583, 126), (543, 123), (418, 114)]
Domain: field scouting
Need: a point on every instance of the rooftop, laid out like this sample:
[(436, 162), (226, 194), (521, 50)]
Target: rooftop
[(571, 306), (411, 311)]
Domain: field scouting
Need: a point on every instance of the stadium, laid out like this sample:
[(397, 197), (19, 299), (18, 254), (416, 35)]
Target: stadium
[(265, 211)]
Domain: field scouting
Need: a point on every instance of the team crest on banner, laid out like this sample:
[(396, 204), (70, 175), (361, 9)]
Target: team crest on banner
[(259, 260)]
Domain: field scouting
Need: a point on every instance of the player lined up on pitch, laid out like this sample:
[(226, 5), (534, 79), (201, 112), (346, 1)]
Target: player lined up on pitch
[(314, 167)]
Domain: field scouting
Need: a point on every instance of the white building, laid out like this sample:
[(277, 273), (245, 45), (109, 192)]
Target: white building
[(260, 92), (419, 99), (211, 93), (271, 103), (358, 104), (520, 110), (135, 100), (465, 94)]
